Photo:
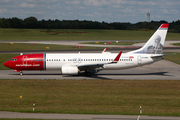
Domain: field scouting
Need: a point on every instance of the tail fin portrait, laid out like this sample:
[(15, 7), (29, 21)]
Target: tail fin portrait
[(155, 44)]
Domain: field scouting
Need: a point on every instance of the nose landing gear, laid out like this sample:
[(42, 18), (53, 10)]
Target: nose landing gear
[(21, 73)]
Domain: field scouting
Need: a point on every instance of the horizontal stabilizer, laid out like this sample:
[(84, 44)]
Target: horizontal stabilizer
[(157, 56)]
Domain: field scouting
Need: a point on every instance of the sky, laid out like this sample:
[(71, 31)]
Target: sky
[(132, 11)]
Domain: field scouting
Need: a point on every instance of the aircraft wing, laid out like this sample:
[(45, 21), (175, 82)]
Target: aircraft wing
[(100, 65), (90, 66)]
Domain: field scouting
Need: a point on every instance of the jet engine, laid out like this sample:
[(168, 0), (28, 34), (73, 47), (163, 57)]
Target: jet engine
[(69, 70)]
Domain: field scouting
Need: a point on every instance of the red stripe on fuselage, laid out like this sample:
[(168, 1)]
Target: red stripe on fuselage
[(28, 62)]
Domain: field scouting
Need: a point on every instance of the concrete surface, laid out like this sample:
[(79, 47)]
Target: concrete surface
[(161, 70)]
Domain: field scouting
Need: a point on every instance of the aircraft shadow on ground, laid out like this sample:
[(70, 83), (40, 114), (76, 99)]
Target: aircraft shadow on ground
[(155, 73), (81, 74), (98, 75)]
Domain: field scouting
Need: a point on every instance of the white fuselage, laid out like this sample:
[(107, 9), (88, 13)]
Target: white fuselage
[(72, 64), (56, 61)]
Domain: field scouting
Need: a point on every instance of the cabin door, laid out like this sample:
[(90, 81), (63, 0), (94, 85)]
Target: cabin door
[(25, 61), (139, 60)]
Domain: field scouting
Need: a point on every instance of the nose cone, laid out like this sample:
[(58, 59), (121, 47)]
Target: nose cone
[(7, 64)]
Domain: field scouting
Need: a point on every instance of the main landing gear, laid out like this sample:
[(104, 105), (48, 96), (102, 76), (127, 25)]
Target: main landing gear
[(88, 73)]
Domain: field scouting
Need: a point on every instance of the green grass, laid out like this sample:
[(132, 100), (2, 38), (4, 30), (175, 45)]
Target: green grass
[(173, 57), (176, 44), (91, 96), (24, 47), (81, 34), (4, 58)]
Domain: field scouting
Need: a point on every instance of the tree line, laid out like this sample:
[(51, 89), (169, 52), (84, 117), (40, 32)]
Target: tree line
[(33, 23)]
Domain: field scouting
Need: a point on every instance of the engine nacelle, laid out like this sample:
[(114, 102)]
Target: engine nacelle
[(69, 70)]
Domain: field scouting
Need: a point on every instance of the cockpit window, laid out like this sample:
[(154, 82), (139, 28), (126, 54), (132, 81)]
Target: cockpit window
[(13, 59)]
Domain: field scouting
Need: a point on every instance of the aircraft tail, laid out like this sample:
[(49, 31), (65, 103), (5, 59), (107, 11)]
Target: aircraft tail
[(155, 44)]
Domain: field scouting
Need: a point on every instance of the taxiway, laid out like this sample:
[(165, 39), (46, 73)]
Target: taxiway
[(16, 115), (161, 70)]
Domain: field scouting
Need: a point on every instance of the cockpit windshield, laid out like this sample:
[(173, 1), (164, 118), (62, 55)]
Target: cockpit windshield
[(13, 59)]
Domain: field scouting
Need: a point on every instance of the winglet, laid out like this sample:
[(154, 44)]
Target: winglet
[(104, 50), (117, 58)]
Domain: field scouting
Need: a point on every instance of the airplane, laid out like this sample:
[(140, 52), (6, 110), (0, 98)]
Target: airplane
[(75, 63)]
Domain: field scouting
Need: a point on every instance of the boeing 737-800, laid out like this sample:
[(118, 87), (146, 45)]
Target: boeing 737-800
[(72, 64)]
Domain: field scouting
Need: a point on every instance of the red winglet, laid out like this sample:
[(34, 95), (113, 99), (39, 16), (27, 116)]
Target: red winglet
[(117, 57), (165, 25), (104, 50)]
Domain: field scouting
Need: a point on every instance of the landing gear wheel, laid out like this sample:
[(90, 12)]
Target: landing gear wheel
[(88, 74), (21, 73)]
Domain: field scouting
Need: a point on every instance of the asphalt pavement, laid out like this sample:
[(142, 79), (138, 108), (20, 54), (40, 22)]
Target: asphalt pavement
[(16, 115), (161, 70)]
